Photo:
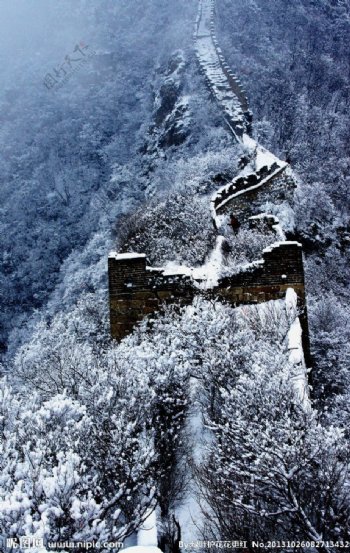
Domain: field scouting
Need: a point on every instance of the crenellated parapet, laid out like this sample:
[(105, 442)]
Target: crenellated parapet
[(137, 290), (243, 184), (245, 194), (280, 268)]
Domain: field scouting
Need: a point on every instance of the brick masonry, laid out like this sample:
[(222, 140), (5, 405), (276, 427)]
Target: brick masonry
[(136, 290), (252, 195)]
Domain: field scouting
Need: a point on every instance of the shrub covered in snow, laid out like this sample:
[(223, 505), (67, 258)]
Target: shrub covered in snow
[(177, 229)]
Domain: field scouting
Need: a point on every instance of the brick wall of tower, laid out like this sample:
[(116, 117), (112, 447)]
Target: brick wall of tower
[(136, 290)]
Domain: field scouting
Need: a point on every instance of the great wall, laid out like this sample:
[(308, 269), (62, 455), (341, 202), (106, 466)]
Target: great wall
[(137, 290)]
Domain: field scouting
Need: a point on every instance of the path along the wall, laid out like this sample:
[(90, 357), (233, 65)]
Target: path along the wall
[(229, 94), (223, 84)]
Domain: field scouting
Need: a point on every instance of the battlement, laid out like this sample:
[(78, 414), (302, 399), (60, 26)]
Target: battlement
[(280, 268), (246, 195), (137, 290), (242, 184)]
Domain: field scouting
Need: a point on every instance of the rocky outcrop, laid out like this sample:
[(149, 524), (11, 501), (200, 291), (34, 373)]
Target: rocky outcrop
[(171, 112)]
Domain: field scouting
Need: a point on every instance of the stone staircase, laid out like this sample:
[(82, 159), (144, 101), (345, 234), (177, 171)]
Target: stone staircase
[(229, 94)]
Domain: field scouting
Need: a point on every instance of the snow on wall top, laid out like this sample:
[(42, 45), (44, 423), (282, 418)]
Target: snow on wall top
[(296, 352), (124, 256), (206, 276), (282, 243), (225, 87)]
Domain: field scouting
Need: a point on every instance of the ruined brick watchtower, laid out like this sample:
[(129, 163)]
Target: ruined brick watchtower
[(136, 290)]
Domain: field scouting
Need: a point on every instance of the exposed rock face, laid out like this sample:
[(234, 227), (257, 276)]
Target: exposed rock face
[(171, 112)]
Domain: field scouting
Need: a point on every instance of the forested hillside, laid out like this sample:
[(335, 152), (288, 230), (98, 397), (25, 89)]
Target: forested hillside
[(205, 420), (69, 152)]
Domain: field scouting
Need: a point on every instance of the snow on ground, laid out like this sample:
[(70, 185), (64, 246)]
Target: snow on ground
[(204, 18), (296, 353), (172, 269), (210, 63), (189, 516), (147, 533), (294, 343), (263, 158), (209, 273), (189, 512), (249, 142)]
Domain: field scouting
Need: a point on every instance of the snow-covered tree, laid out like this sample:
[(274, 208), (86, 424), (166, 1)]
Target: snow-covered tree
[(271, 468)]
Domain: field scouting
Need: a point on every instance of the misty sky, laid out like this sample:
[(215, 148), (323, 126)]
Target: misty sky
[(37, 34)]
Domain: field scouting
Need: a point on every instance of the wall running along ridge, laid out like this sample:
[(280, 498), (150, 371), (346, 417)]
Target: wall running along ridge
[(136, 290), (223, 84)]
